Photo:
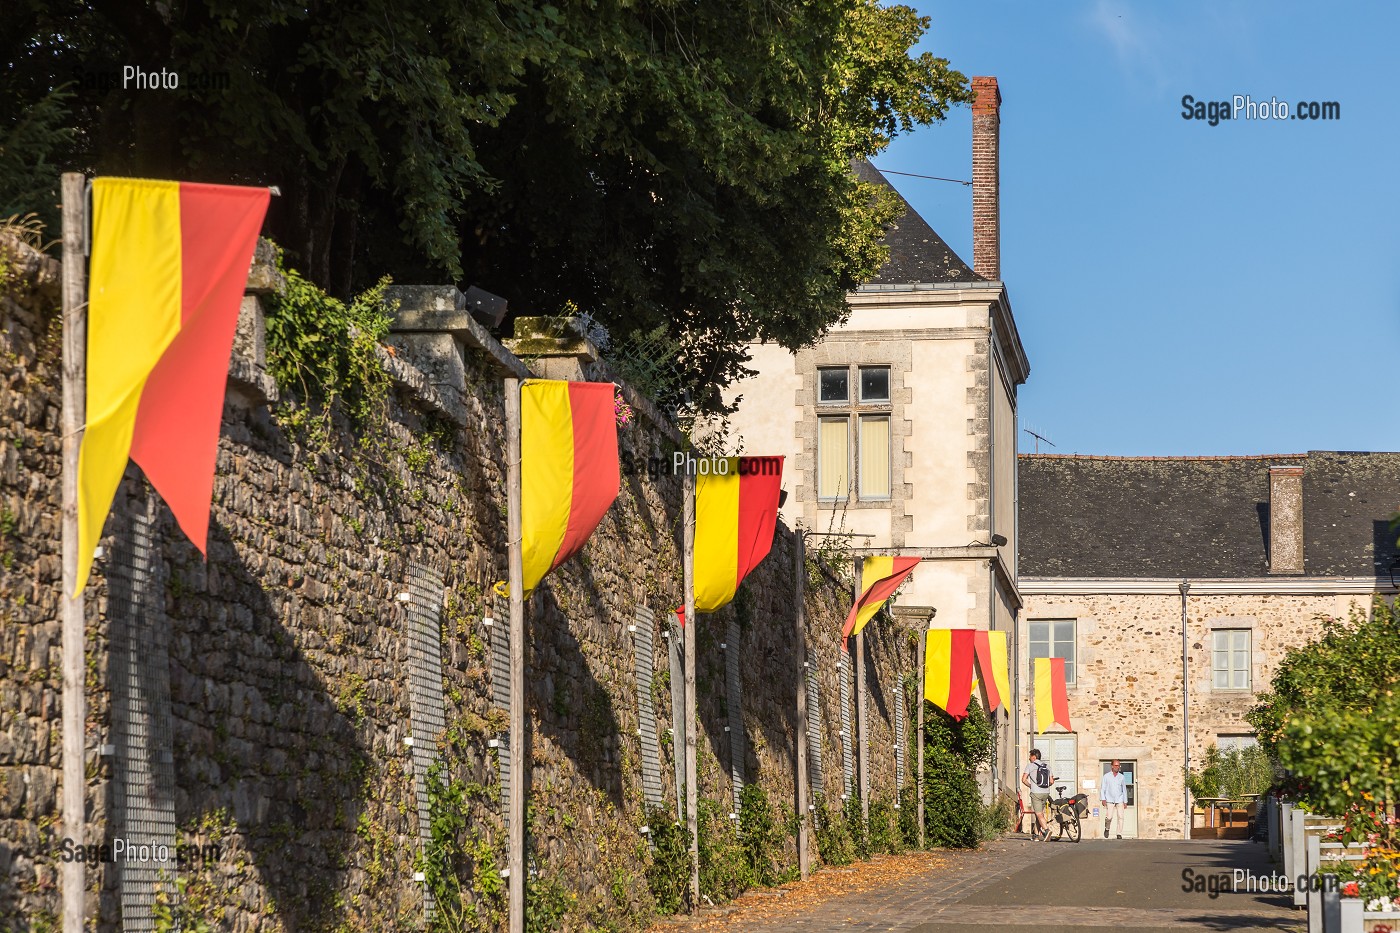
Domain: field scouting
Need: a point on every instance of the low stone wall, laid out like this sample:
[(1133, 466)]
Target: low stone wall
[(286, 654)]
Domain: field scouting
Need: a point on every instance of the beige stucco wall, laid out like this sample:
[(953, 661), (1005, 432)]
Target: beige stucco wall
[(765, 424), (1127, 699), (940, 473), (1004, 428)]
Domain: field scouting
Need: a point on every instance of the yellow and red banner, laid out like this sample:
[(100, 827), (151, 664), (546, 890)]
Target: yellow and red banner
[(990, 648), (948, 655), (569, 473), (170, 262), (1051, 699), (879, 578), (736, 511)]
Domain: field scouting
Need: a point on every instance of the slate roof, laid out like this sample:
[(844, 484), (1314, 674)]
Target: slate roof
[(1202, 517), (917, 253)]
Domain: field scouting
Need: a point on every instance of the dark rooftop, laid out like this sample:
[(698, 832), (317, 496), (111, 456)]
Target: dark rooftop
[(917, 253), (1202, 517)]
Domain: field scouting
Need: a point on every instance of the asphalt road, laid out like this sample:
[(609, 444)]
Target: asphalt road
[(1016, 884), (1143, 885)]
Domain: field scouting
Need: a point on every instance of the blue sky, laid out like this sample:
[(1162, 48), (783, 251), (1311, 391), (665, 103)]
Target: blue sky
[(1181, 288)]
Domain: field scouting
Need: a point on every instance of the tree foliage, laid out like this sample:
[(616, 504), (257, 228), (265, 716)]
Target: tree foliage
[(655, 161), (1332, 714)]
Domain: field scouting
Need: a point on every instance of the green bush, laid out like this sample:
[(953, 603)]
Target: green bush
[(856, 829), (953, 809), (909, 818), (668, 873), (833, 838), (883, 832), (1231, 773), (725, 871), (547, 903), (759, 834), (997, 818)]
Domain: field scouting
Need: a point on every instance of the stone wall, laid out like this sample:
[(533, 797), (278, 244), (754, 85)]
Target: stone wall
[(287, 651)]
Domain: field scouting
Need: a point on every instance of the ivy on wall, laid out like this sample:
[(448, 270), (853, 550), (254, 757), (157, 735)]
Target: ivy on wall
[(325, 352)]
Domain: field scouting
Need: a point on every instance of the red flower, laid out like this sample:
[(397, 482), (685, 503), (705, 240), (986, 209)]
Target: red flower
[(1351, 889)]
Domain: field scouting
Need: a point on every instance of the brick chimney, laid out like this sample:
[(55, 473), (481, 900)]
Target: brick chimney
[(986, 178), (1285, 519)]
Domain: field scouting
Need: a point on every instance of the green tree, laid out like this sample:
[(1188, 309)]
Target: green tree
[(32, 139), (655, 161), (1332, 716)]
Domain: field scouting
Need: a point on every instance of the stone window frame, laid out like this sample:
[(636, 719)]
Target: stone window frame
[(855, 350), (1227, 740), (1232, 626), (1074, 645), (854, 409)]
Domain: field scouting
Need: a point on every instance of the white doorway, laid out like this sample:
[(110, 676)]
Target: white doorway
[(1130, 815)]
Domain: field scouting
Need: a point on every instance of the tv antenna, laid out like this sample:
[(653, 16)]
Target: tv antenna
[(1038, 439)]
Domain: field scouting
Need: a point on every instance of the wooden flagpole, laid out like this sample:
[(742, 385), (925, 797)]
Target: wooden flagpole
[(519, 739), (74, 605), (692, 801), (799, 586)]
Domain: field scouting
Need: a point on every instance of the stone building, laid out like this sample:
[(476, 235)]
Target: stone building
[(1249, 551), (900, 425)]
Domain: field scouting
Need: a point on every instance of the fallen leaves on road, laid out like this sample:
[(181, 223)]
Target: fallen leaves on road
[(882, 871)]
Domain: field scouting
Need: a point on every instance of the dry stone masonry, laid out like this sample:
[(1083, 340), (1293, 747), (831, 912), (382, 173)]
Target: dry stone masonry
[(298, 683)]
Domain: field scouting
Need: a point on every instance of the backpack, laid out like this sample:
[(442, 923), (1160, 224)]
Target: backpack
[(1042, 774)]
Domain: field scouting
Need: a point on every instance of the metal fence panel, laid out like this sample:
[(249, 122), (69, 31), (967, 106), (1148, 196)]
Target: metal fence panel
[(427, 715), (899, 740), (500, 694), (643, 644), (734, 702), (814, 731), (141, 727), (848, 776)]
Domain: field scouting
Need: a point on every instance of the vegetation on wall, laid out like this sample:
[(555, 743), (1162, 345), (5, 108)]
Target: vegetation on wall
[(325, 351)]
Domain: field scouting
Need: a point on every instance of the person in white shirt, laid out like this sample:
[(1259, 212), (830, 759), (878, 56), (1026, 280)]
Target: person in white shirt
[(1113, 797)]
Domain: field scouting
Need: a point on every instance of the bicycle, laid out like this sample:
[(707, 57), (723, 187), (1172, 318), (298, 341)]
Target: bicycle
[(1066, 812)]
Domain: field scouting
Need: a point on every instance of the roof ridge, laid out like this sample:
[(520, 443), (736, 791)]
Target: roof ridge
[(1048, 456)]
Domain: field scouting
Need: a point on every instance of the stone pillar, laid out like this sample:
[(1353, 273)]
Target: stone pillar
[(554, 347), (249, 383)]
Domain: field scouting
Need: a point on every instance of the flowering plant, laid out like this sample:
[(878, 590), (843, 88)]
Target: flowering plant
[(621, 409), (1376, 879)]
